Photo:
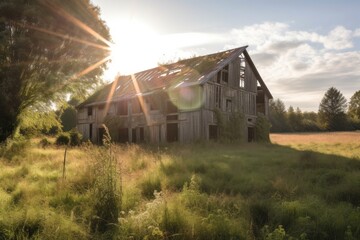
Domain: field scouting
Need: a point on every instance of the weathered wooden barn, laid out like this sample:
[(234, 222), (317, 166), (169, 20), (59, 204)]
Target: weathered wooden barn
[(178, 101)]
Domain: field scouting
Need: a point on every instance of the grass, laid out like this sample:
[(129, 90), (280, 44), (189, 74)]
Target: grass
[(303, 184)]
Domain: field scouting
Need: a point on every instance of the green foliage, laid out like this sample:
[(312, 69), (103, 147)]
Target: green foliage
[(332, 110), (106, 194), (231, 128), (149, 185), (40, 58), (354, 105), (62, 139), (75, 138), (262, 128), (277, 113), (44, 143), (68, 118)]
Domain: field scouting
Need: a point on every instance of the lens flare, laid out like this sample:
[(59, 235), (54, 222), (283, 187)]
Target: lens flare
[(187, 98)]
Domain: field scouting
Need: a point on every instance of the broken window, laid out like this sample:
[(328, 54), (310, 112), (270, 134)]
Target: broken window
[(228, 105), (172, 132), (122, 108), (141, 134), (136, 106), (123, 135), (133, 135), (171, 107), (242, 71), (223, 75), (90, 111), (213, 132), (218, 97)]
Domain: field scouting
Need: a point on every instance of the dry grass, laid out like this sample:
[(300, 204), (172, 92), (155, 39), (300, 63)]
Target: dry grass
[(346, 144)]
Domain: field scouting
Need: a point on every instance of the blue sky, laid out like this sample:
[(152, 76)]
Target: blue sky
[(301, 48)]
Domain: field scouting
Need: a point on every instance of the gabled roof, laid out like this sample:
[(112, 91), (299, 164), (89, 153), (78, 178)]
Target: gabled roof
[(193, 71)]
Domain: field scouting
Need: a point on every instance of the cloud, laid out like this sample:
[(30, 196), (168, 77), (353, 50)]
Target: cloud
[(298, 66)]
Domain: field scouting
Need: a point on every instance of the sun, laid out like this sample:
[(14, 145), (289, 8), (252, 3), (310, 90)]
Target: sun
[(136, 47)]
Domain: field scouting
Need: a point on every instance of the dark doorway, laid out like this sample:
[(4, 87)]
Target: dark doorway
[(172, 132), (141, 133), (101, 132), (213, 132), (251, 134), (90, 131), (123, 135), (133, 135)]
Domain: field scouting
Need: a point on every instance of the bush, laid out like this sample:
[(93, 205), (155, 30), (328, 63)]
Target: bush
[(262, 129), (75, 138), (63, 139), (44, 143)]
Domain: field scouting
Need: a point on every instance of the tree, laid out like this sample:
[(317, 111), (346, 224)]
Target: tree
[(354, 106), (47, 49), (332, 110), (278, 118)]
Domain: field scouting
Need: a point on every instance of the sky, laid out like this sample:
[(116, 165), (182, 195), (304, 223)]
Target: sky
[(300, 48)]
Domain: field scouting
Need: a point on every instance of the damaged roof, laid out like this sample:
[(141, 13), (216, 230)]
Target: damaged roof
[(188, 72)]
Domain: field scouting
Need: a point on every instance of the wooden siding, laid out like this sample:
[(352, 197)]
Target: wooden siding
[(192, 123)]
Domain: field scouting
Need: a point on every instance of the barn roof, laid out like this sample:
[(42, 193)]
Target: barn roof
[(188, 72)]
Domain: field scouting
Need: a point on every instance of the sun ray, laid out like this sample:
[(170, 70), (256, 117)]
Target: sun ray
[(60, 11), (65, 36), (90, 68), (110, 95), (141, 98)]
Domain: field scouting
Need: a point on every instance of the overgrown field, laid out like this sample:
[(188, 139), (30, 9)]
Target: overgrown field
[(299, 187)]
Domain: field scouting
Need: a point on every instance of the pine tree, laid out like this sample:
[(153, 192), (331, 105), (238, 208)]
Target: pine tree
[(332, 110), (354, 106)]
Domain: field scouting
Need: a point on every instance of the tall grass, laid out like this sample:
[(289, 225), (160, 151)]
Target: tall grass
[(198, 191)]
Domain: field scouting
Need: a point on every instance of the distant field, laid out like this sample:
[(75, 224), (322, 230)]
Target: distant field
[(304, 186), (345, 144)]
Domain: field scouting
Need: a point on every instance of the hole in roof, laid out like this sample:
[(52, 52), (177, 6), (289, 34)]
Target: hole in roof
[(118, 87), (174, 71), (163, 75), (178, 85), (197, 64)]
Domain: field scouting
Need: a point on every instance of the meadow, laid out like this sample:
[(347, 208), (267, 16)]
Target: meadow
[(302, 186)]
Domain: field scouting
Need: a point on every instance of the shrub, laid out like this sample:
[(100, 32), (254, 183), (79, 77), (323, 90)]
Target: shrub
[(106, 194), (63, 139), (149, 186), (75, 138), (44, 143), (262, 128)]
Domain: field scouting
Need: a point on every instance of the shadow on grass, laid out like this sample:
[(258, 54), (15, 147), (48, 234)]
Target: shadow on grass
[(305, 191)]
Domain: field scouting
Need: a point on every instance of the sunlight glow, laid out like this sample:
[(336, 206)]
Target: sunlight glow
[(136, 48)]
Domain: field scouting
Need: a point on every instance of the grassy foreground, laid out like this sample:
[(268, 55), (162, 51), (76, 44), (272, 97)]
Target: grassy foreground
[(298, 188)]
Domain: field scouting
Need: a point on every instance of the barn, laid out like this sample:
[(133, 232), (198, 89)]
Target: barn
[(178, 102)]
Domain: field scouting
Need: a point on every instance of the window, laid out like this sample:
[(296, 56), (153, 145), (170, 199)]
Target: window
[(217, 96), (90, 111), (122, 108), (101, 107), (141, 135), (171, 107), (133, 135), (90, 131), (123, 135), (223, 75), (228, 105), (242, 71), (136, 106)]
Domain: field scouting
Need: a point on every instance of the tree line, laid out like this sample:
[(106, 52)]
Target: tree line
[(334, 114)]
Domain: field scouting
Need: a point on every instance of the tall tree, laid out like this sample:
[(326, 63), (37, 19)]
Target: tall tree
[(332, 110), (278, 118), (354, 106), (48, 48)]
